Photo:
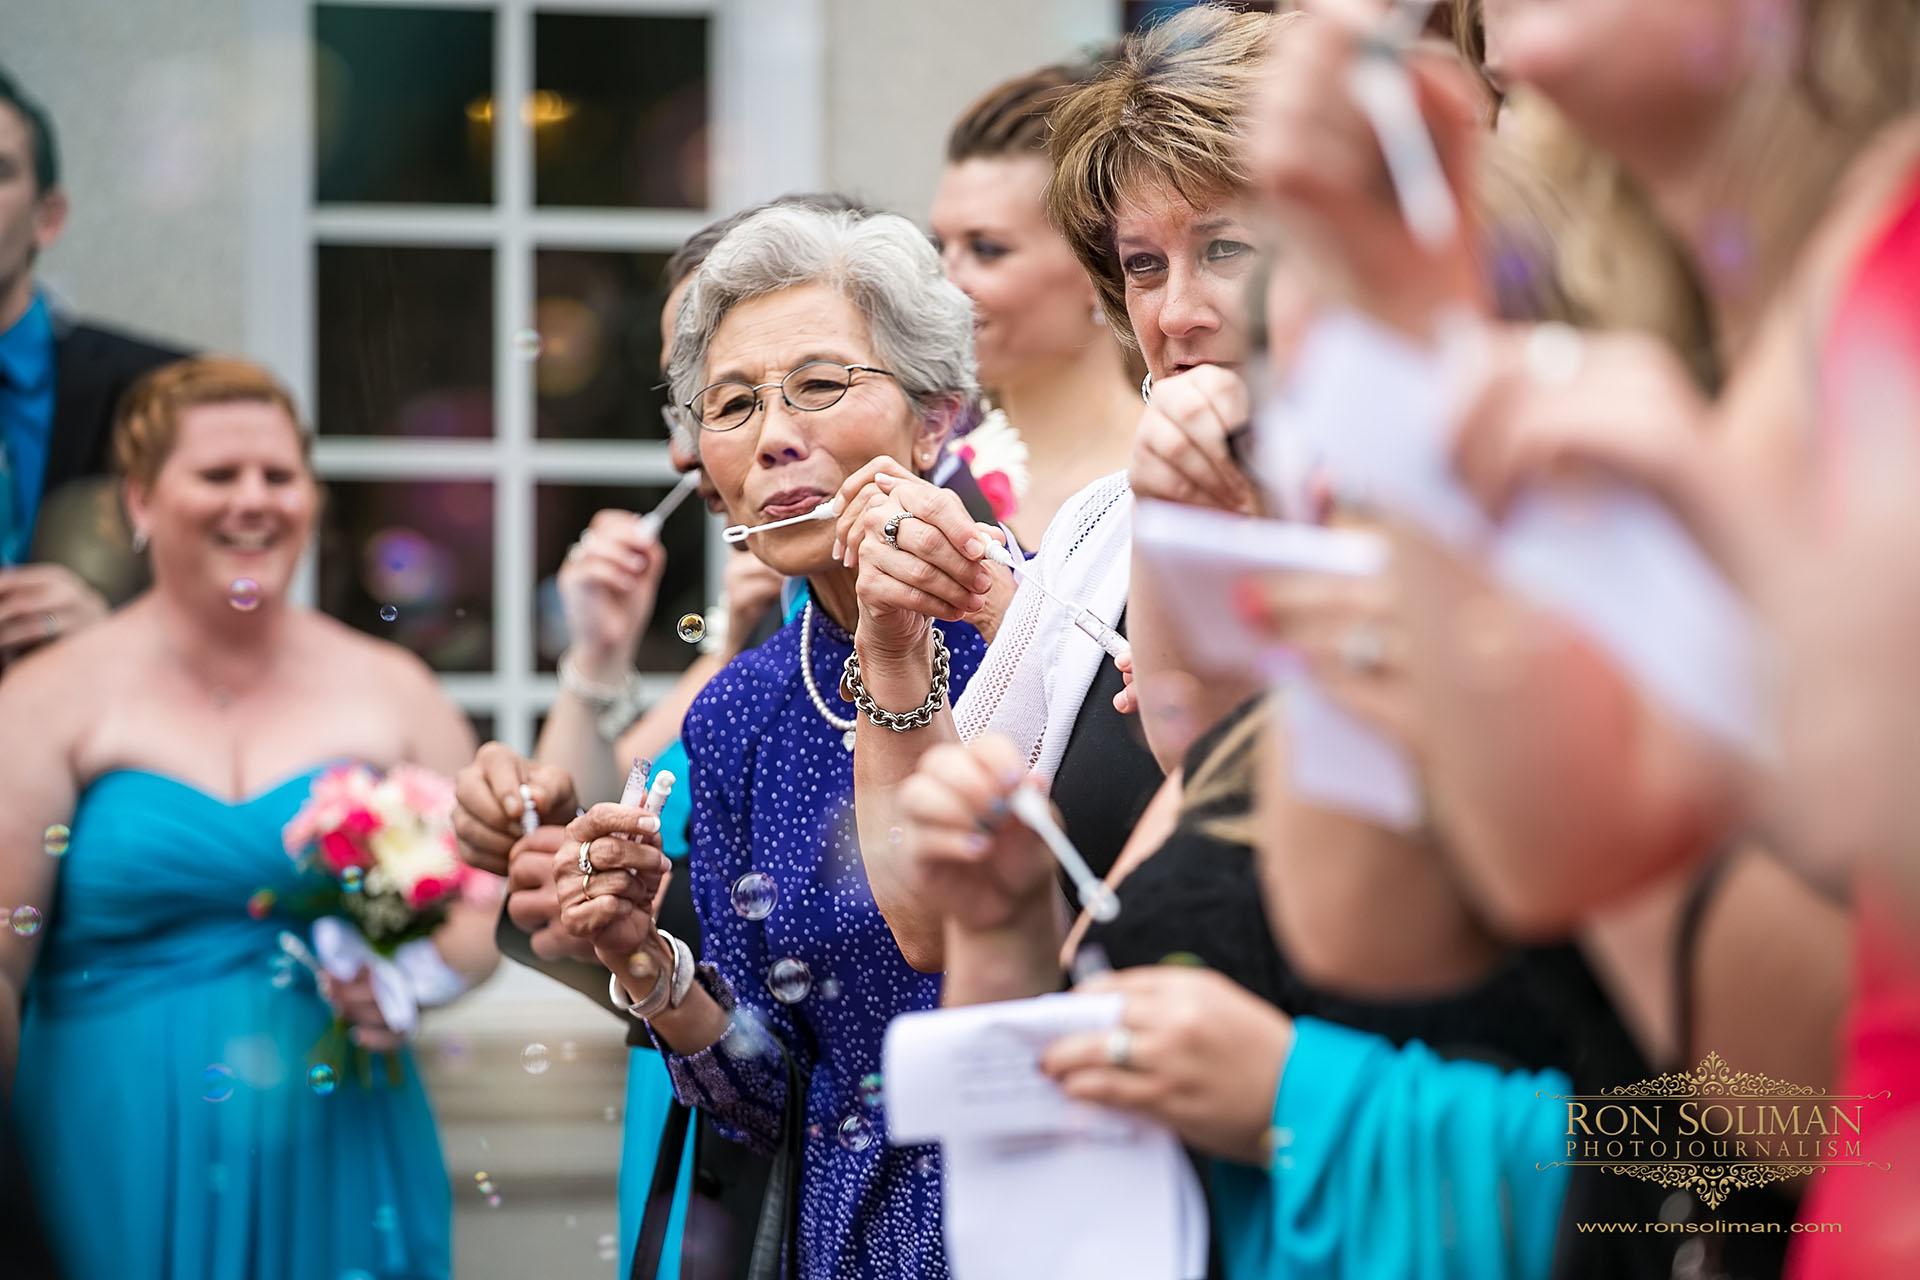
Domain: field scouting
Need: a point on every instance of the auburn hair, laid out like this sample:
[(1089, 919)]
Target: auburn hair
[(148, 421)]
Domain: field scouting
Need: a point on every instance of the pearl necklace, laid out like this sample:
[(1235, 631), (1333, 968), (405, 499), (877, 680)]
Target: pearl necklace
[(845, 726)]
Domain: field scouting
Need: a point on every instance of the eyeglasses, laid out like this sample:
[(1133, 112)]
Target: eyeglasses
[(814, 386)]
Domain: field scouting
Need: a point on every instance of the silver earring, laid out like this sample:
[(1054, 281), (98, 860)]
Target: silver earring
[(139, 541), (1146, 388)]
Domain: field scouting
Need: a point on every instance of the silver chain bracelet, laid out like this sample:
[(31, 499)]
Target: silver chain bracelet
[(855, 691)]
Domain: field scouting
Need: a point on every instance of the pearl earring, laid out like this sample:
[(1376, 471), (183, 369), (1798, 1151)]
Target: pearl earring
[(139, 541), (1099, 316)]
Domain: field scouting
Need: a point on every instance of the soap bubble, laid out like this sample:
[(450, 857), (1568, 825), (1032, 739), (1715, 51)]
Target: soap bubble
[(480, 1179), (923, 1163), (388, 613), (572, 1222), (754, 895), (535, 1059), (829, 988), (386, 1218), (351, 879), (789, 980), (855, 1133), (611, 1115), (244, 594), (321, 1079), (692, 628), (493, 1202), (609, 1250), (26, 922), (871, 1089), (894, 835), (216, 1083), (526, 344), (282, 972), (816, 1131), (260, 905), (569, 1051), (55, 840)]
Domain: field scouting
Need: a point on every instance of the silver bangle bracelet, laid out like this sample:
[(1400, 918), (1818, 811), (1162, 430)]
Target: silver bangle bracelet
[(670, 990), (642, 1009), (614, 706)]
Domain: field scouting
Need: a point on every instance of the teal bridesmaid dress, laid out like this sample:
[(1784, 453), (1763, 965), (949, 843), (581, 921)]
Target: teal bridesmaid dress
[(164, 1097)]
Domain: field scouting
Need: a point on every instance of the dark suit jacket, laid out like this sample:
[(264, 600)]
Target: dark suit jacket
[(80, 523), (93, 367)]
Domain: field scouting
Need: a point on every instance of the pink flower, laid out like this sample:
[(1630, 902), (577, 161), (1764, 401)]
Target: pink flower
[(430, 889), (427, 793), (340, 853), (997, 489), (358, 824)]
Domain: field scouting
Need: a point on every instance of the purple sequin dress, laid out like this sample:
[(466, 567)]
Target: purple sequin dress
[(772, 788)]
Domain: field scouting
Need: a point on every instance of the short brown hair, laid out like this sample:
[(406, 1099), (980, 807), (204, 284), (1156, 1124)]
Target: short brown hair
[(148, 422), (1011, 118), (1167, 109)]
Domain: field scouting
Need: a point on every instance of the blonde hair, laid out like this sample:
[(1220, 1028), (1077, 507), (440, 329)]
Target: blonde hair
[(1167, 109), (148, 421)]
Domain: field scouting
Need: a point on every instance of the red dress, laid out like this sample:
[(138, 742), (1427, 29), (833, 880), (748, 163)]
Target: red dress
[(1871, 365)]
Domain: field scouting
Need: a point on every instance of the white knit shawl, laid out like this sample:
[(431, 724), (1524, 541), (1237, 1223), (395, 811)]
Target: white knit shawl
[(1037, 671)]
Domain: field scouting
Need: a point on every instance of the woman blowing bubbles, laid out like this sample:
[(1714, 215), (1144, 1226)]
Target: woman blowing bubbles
[(814, 351)]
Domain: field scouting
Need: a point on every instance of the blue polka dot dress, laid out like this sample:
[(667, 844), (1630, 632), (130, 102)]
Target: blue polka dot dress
[(772, 789)]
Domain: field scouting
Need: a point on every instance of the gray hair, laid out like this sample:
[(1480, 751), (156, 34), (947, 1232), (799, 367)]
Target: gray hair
[(922, 325)]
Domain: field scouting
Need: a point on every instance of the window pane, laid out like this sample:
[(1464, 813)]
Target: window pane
[(412, 562), (562, 511), (402, 105), (405, 341), (619, 113), (598, 376)]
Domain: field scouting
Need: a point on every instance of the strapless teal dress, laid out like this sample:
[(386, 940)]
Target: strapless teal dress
[(163, 1093)]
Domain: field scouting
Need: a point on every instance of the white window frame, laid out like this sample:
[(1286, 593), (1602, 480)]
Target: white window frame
[(767, 79)]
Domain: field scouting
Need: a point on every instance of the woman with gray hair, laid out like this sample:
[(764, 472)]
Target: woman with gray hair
[(814, 351)]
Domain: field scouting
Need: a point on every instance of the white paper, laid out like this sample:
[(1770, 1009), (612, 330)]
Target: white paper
[(1038, 1186), (1341, 762), (1194, 556), (1375, 410)]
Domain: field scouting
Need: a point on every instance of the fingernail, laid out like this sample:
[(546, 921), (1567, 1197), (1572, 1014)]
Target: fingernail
[(975, 603), (975, 843), (1246, 600), (982, 582), (648, 824), (1011, 777), (637, 563), (837, 548), (974, 549), (885, 480)]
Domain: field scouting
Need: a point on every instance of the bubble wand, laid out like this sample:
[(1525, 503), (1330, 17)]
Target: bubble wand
[(651, 523), (1084, 618), (1031, 808), (738, 533)]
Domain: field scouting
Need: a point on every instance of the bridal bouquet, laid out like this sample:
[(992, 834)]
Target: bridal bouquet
[(386, 842)]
